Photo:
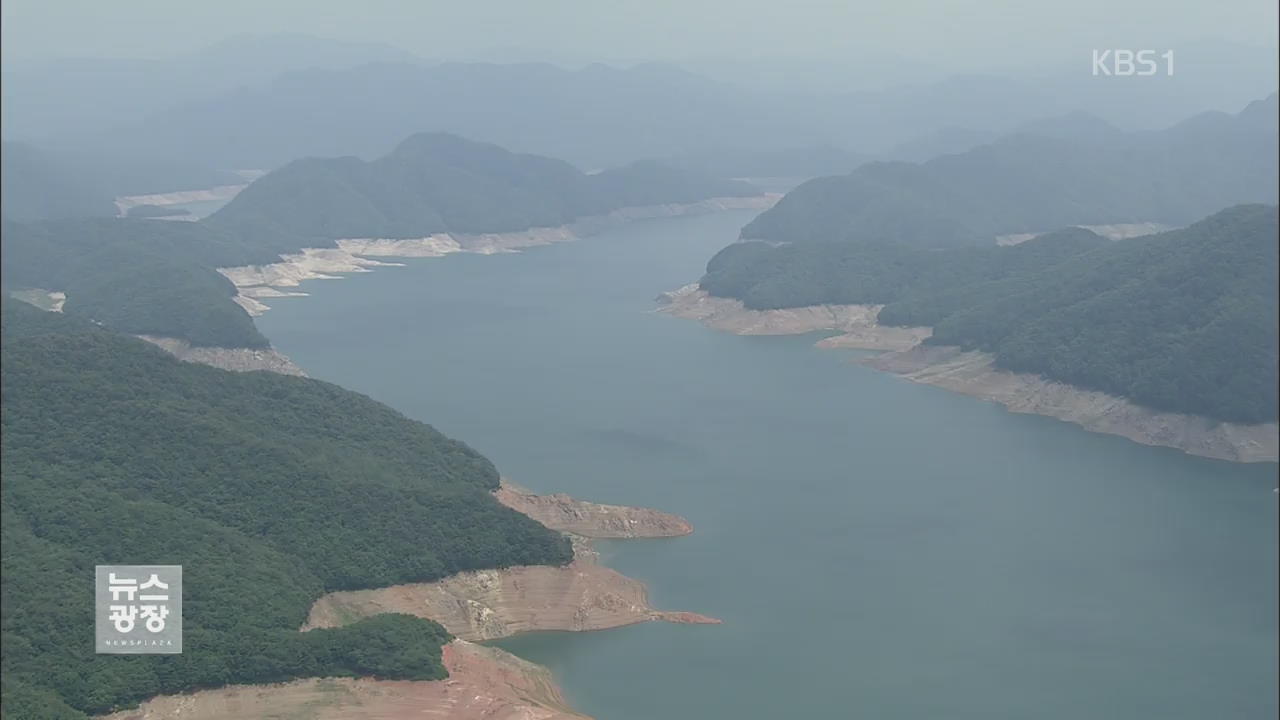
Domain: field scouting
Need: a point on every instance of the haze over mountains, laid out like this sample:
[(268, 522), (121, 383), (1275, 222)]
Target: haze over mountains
[(43, 184), (259, 102), (52, 99), (274, 490), (1071, 170)]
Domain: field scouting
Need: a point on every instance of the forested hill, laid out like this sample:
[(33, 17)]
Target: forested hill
[(115, 453), (42, 184), (1183, 321), (160, 278), (435, 182), (1030, 182), (145, 277)]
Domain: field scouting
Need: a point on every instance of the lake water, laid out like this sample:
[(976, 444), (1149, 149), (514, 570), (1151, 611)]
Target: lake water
[(875, 548)]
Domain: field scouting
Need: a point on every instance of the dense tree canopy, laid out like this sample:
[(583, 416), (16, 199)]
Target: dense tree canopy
[(1182, 321), (116, 453), (146, 277)]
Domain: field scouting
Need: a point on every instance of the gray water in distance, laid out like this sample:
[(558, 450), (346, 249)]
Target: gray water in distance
[(875, 548)]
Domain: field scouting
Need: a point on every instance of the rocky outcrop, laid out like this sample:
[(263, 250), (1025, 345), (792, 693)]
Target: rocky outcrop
[(593, 520), (237, 359), (974, 373), (856, 323), (484, 684), (355, 255), (489, 604)]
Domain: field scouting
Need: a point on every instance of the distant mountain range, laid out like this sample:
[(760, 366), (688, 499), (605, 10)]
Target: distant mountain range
[(1182, 321), (46, 101), (1075, 169), (593, 116)]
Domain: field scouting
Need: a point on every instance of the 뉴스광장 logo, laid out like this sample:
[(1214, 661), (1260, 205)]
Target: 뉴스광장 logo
[(138, 609)]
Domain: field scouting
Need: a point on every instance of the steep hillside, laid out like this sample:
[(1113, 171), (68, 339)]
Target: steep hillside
[(117, 453), (143, 277), (1183, 321)]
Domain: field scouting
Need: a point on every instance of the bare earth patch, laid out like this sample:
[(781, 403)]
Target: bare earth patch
[(483, 684), (491, 604), (587, 519), (856, 323), (237, 359), (49, 300)]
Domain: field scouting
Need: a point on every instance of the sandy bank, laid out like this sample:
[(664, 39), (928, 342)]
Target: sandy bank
[(483, 684), (856, 323), (181, 197), (973, 373), (356, 254), (237, 359), (490, 604), (50, 300), (593, 520)]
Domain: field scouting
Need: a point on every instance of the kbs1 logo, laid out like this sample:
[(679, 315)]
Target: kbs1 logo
[(138, 609), (1132, 63)]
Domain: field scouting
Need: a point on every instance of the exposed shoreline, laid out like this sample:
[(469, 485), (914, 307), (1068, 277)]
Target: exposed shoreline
[(180, 197), (255, 282), (484, 683), (974, 374), (491, 604)]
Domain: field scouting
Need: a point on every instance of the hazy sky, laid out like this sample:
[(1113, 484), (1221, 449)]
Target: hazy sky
[(955, 32)]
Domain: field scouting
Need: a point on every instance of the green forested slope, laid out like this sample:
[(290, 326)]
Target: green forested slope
[(146, 277), (435, 182), (1183, 321), (115, 453), (766, 277)]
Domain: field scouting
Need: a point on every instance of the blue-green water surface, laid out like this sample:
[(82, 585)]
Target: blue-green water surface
[(876, 549)]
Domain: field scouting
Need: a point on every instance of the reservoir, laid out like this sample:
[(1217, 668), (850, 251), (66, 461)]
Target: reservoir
[(875, 548)]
